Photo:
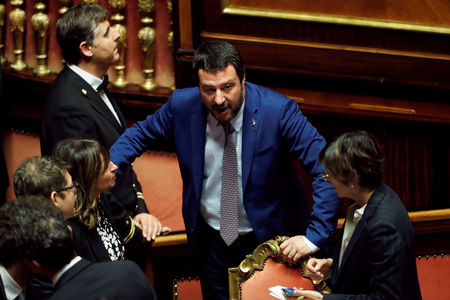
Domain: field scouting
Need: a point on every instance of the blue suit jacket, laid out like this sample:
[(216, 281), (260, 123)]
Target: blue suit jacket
[(380, 259), (274, 133)]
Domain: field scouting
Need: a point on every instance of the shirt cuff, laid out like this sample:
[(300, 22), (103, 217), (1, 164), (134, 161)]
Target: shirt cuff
[(311, 246)]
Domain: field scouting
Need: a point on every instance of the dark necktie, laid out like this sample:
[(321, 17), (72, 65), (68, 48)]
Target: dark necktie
[(104, 84), (229, 223)]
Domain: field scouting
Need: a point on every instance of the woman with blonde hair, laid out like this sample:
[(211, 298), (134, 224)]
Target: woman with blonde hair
[(96, 235)]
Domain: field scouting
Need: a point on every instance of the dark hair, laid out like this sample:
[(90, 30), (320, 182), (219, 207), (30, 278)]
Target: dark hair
[(32, 228), (354, 151), (88, 160), (215, 55), (39, 176), (78, 24)]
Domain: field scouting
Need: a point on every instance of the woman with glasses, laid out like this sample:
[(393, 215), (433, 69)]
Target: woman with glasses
[(97, 237), (376, 256)]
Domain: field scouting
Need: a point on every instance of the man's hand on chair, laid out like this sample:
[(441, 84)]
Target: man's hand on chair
[(294, 248)]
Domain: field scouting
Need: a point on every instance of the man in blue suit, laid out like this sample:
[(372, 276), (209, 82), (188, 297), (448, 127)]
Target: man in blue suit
[(268, 132)]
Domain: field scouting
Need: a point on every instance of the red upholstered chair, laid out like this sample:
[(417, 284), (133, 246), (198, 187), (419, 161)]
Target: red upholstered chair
[(187, 289), (18, 146), (434, 276), (263, 269)]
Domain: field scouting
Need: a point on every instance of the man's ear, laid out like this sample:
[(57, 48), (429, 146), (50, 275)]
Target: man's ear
[(41, 270), (35, 263), (85, 49), (55, 198), (33, 266)]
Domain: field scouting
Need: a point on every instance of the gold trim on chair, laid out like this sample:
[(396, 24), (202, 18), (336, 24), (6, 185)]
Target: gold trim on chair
[(256, 261)]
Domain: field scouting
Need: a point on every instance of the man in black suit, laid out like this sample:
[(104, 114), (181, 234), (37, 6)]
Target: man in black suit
[(15, 276), (34, 240), (79, 105)]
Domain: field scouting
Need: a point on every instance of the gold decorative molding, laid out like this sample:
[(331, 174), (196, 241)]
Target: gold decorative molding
[(64, 6), (255, 262), (331, 19), (118, 17), (2, 30), (146, 36), (17, 22), (40, 24), (170, 35)]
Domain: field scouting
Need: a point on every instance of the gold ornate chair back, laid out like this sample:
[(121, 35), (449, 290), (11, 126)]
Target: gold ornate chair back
[(264, 269)]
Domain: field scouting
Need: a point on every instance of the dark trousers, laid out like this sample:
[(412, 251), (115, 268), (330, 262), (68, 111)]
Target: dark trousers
[(214, 257)]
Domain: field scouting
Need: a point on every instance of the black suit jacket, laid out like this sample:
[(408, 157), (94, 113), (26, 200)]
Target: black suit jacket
[(88, 243), (75, 110), (380, 259), (90, 281)]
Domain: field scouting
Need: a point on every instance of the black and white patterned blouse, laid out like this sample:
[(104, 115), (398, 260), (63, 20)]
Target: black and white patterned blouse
[(109, 236)]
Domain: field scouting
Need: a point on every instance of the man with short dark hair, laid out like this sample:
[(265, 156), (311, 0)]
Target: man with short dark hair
[(49, 178), (235, 143), (79, 105), (34, 240)]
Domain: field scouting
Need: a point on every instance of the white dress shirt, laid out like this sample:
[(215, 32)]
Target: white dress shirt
[(354, 215), (95, 82), (12, 288), (64, 269)]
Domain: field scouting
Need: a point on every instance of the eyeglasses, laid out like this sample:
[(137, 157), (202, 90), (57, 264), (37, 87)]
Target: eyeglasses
[(325, 175), (74, 186)]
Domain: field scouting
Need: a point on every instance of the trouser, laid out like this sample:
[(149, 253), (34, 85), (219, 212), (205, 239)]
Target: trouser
[(214, 257)]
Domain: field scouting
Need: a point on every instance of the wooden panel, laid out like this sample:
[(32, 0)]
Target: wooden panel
[(427, 12), (401, 42)]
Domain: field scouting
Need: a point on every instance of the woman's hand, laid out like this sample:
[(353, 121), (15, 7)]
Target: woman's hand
[(319, 269), (149, 224), (308, 295)]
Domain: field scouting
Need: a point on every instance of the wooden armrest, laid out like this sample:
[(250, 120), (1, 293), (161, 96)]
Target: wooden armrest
[(170, 240)]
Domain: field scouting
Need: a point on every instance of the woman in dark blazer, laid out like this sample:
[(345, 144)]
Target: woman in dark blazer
[(97, 237), (376, 257)]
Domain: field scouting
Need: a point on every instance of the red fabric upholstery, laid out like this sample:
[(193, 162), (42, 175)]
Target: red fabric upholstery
[(257, 286), (162, 187), (188, 290), (17, 147), (434, 277)]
